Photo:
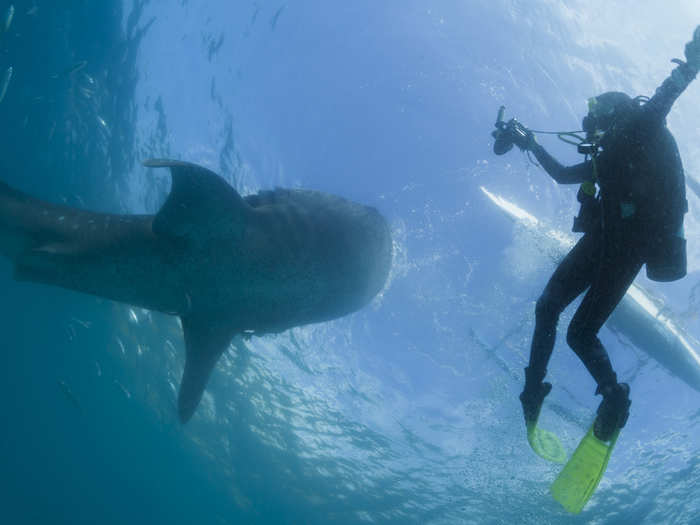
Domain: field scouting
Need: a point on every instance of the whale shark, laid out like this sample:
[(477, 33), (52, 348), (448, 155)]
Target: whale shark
[(225, 264)]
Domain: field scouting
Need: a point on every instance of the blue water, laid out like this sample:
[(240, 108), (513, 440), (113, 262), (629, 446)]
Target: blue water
[(405, 412)]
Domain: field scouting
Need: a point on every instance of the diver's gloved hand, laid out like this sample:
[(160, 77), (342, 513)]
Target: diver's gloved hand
[(522, 137), (509, 133), (692, 51), (532, 397)]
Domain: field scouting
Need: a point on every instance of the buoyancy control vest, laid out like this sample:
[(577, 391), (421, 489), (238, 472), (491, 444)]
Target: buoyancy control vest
[(642, 182)]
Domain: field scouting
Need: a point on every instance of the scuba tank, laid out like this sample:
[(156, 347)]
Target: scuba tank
[(665, 246), (667, 259), (665, 253)]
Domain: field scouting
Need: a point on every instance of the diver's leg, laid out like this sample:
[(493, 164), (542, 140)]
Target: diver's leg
[(573, 275), (608, 288), (616, 273)]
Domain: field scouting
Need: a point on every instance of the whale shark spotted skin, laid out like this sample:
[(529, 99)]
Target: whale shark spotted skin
[(223, 263)]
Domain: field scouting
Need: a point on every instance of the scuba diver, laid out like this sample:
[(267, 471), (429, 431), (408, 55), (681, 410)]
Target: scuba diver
[(632, 195)]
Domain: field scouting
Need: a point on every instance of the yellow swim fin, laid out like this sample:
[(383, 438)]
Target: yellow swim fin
[(580, 476), (545, 444)]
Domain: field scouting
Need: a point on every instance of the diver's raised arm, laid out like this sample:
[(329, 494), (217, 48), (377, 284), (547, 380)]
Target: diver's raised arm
[(670, 89)]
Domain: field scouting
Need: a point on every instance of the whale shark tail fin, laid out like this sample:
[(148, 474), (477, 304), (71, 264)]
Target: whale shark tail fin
[(205, 341)]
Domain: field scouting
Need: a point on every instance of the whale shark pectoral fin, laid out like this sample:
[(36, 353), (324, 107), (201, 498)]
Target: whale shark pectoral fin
[(200, 205), (205, 341)]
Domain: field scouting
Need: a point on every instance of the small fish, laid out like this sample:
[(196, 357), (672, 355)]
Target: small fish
[(70, 70), (84, 324), (170, 347), (34, 10), (276, 16), (70, 395), (123, 389), (104, 125), (5, 82), (9, 16), (255, 16), (76, 67)]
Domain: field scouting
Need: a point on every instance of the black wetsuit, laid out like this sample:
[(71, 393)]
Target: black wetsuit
[(642, 199)]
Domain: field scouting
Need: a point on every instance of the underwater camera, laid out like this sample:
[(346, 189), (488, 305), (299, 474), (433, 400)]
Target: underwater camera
[(507, 133), (512, 132)]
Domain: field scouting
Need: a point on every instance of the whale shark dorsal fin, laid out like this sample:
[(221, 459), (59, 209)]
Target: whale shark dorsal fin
[(205, 341), (200, 205)]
